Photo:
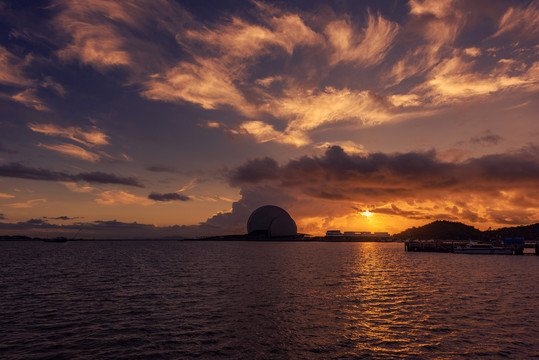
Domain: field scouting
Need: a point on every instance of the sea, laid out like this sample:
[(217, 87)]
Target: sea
[(263, 300)]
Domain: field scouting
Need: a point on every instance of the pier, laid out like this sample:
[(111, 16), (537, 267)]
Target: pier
[(515, 246)]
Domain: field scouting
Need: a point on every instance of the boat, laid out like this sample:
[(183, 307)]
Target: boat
[(486, 249)]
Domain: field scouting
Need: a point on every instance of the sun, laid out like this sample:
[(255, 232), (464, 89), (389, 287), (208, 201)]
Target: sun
[(367, 213)]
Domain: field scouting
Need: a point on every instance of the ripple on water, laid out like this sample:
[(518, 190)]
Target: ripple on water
[(169, 300)]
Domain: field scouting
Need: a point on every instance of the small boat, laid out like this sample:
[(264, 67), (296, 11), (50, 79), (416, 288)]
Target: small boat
[(487, 249)]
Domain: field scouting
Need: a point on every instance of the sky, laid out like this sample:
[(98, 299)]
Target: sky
[(156, 118)]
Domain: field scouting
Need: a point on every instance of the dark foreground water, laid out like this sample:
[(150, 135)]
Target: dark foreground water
[(249, 300)]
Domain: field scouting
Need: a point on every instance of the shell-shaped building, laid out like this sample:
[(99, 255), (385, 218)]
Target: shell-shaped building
[(271, 221)]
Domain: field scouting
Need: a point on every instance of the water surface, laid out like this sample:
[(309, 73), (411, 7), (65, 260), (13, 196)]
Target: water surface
[(257, 300)]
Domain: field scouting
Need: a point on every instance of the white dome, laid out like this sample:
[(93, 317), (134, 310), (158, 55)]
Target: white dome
[(271, 220)]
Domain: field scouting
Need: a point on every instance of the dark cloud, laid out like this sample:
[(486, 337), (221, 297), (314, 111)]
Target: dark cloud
[(61, 218), (255, 171), (390, 177), (168, 197), (105, 178), (487, 139), (414, 214), (17, 170), (2, 217), (160, 168), (97, 229)]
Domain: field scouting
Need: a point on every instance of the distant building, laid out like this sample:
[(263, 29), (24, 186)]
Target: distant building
[(271, 221), (337, 235)]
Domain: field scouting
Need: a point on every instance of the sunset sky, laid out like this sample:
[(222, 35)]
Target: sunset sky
[(161, 118)]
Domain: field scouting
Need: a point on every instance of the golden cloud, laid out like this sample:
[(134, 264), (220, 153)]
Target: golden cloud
[(367, 48), (88, 138), (73, 151), (29, 99), (119, 197)]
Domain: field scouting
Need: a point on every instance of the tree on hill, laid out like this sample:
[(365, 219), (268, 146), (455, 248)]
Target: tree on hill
[(441, 230)]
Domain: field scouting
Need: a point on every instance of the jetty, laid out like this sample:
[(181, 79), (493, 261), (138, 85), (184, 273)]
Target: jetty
[(514, 246)]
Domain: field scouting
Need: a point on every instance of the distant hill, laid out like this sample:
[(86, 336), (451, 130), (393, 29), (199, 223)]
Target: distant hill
[(440, 230), (528, 232), (449, 230)]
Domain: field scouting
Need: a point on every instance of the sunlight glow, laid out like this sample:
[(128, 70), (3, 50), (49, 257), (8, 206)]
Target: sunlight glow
[(367, 213)]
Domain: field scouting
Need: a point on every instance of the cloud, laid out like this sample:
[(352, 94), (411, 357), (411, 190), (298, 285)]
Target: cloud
[(368, 48), (6, 196), (72, 150), (306, 110), (27, 204), (208, 83), (479, 185), (286, 72), (255, 171), (168, 197), (12, 69), (78, 189), (160, 168), (520, 22), (117, 197), (62, 218), (238, 39), (95, 39), (29, 99), (2, 217), (91, 137), (99, 229), (455, 80), (487, 139), (17, 170)]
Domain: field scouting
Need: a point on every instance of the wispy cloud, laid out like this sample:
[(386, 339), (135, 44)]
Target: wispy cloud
[(366, 48), (72, 150), (6, 196), (27, 204), (91, 137), (78, 188), (29, 99), (17, 170), (208, 83), (12, 69), (119, 197), (522, 22), (219, 68)]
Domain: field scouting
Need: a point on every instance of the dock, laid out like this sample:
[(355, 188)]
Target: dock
[(448, 246)]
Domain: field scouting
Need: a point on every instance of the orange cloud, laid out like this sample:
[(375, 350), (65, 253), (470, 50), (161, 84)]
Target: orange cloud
[(523, 22), (27, 204), (367, 48), (12, 69), (95, 40), (78, 189), (208, 83), (455, 80), (72, 150), (88, 138), (119, 197), (29, 99)]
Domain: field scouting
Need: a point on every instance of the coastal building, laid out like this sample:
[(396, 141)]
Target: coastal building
[(272, 222), (337, 235)]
